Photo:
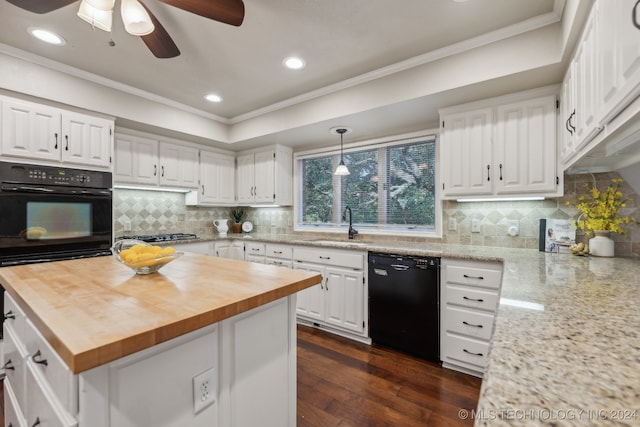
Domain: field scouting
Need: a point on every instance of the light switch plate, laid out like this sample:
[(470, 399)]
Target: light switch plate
[(453, 224), (475, 226)]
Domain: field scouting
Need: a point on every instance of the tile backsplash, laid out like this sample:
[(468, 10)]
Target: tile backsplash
[(150, 212)]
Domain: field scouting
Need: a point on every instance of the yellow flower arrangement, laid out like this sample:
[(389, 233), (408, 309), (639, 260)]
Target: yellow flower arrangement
[(601, 210)]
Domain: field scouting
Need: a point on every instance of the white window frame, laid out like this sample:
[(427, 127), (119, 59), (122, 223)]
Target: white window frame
[(358, 146)]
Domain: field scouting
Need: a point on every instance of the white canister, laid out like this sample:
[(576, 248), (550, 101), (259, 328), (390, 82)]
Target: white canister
[(601, 244), (222, 225)]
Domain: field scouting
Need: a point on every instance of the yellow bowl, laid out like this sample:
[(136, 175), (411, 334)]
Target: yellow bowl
[(142, 257)]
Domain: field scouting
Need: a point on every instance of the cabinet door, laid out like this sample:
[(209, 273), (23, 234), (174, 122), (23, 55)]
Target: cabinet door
[(221, 249), (345, 298), (178, 165), (264, 179), (525, 152), (245, 178), (86, 140), (618, 55), (310, 301), (566, 130), (31, 130), (585, 87), (466, 153), (217, 178)]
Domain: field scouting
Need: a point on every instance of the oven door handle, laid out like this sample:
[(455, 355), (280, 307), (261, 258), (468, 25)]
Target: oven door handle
[(21, 188)]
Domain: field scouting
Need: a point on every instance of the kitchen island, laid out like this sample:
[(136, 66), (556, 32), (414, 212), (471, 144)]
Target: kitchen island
[(206, 341)]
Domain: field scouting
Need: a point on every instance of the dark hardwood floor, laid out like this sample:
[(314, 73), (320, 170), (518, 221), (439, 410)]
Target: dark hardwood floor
[(347, 384)]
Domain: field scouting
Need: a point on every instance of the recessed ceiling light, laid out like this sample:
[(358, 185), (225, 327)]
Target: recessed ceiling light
[(212, 97), (294, 63), (47, 36)]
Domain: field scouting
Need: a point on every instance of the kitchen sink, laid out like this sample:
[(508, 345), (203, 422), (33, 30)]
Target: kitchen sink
[(339, 242)]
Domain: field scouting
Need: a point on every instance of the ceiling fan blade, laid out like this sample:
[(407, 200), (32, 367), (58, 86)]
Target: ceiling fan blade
[(159, 41), (228, 11), (40, 6)]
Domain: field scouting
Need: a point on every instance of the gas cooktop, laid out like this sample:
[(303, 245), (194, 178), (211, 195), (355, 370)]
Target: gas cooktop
[(168, 237)]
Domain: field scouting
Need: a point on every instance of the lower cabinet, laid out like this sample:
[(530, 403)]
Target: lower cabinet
[(204, 248), (233, 249), (339, 302), (469, 297)]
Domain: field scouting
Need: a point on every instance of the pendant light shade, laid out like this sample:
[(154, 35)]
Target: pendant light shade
[(135, 17), (103, 5), (342, 168), (96, 17)]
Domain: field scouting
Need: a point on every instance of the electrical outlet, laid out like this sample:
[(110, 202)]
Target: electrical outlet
[(513, 228), (127, 225), (204, 390), (475, 226), (453, 224)]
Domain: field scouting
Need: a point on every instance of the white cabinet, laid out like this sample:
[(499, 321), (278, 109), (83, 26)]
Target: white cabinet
[(466, 152), (501, 147), (217, 184), (618, 53), (525, 149), (468, 299), (265, 176), (339, 301), (38, 132), (233, 249), (254, 252), (204, 248), (578, 120), (144, 160), (40, 389), (280, 255)]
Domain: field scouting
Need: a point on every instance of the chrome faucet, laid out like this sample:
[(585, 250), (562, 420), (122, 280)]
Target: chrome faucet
[(352, 231)]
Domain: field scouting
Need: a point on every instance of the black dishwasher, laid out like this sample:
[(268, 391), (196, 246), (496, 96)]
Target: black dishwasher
[(404, 303)]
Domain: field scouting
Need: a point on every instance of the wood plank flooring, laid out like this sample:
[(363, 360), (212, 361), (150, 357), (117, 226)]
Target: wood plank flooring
[(345, 383), (348, 384)]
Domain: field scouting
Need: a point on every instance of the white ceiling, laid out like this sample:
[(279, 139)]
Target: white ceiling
[(342, 41)]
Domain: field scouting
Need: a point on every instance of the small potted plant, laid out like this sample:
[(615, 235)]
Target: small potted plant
[(237, 215)]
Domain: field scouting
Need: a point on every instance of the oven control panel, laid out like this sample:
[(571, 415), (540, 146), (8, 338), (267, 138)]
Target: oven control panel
[(51, 175)]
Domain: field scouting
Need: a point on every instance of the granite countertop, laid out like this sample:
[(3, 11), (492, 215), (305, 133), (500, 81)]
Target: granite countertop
[(566, 345), (95, 310)]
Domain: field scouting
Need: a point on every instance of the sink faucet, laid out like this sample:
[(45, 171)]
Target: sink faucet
[(352, 231)]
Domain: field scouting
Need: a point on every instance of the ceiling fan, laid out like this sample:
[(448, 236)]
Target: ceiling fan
[(139, 20)]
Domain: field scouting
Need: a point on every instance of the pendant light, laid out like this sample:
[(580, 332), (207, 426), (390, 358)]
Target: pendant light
[(342, 168), (97, 17)]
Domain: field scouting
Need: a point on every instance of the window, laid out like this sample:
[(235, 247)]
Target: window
[(391, 187)]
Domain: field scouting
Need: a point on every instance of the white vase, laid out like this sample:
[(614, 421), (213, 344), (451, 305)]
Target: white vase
[(222, 225), (601, 244)]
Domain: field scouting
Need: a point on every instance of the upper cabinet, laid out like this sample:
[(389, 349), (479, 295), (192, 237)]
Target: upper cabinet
[(501, 147), (265, 176), (216, 185), (32, 131), (600, 106), (147, 161)]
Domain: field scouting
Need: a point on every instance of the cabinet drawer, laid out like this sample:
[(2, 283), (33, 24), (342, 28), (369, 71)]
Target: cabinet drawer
[(60, 379), (338, 258), (481, 299), (280, 262), (475, 324), (12, 411), (474, 276), (14, 356), (466, 350), (254, 249), (279, 251), (42, 407), (13, 315)]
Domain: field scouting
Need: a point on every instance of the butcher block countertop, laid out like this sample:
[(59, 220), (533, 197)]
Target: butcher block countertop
[(94, 311)]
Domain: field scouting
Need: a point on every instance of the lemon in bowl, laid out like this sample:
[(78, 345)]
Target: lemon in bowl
[(142, 257)]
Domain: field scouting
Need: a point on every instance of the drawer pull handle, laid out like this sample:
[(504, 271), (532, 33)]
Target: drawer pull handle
[(9, 315), (325, 257), (472, 353), (7, 367), (471, 324), (473, 299), (277, 252), (40, 361), (255, 249), (36, 423), (473, 277)]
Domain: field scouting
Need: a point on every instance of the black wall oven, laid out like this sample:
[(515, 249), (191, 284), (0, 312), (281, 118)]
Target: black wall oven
[(53, 213)]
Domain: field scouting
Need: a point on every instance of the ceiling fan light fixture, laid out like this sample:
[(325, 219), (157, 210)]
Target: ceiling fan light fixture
[(136, 20), (103, 5), (95, 17)]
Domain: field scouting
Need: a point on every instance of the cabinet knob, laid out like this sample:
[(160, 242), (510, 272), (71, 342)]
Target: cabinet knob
[(37, 359)]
